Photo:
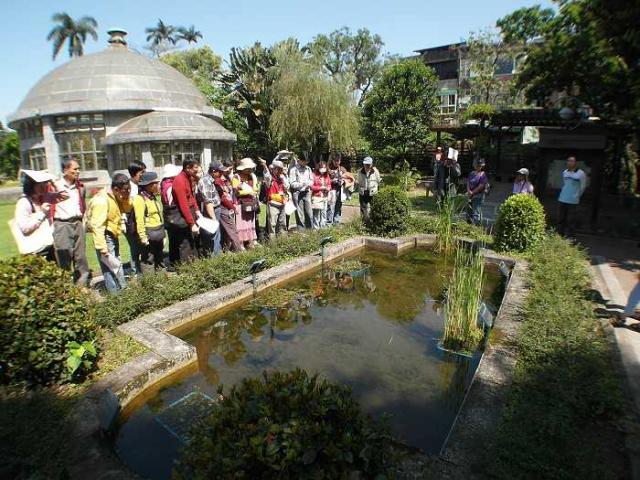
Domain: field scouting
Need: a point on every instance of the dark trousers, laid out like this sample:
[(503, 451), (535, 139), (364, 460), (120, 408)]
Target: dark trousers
[(230, 238), (151, 256), (566, 218), (134, 249), (181, 245), (70, 248), (365, 205)]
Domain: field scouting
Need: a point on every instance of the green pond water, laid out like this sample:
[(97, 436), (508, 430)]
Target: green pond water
[(375, 329)]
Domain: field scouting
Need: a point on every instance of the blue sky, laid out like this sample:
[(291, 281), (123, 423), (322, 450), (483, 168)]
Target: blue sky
[(404, 25)]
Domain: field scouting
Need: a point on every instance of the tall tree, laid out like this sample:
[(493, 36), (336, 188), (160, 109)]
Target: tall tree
[(75, 32), (400, 108), (311, 110), (589, 55), (189, 35), (202, 66), (161, 38), (486, 55), (525, 24), (354, 57), (9, 153)]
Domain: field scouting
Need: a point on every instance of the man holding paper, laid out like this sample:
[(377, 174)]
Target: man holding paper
[(446, 170), (104, 221)]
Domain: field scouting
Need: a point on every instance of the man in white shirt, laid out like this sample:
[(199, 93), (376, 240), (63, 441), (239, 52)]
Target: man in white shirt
[(68, 227), (300, 180)]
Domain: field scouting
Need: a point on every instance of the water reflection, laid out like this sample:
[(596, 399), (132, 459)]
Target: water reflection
[(370, 325)]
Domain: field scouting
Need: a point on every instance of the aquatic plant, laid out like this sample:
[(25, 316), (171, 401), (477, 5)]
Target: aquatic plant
[(447, 211), (286, 425), (464, 294)]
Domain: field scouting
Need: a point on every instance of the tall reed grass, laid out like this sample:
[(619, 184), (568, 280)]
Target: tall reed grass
[(464, 296), (448, 209)]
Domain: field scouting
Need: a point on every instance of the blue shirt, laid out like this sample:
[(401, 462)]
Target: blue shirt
[(573, 186)]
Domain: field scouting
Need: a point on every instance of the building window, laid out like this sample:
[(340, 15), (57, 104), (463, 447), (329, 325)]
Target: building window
[(448, 103), (176, 152), (34, 159), (126, 153), (85, 147), (79, 123), (30, 129)]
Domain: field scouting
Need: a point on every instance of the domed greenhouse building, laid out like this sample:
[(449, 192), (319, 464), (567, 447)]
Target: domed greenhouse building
[(109, 108)]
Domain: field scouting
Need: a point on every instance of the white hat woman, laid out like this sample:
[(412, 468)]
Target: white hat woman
[(33, 207), (522, 183), (368, 181), (246, 190)]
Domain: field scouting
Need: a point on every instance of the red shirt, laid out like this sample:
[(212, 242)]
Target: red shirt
[(276, 187), (183, 197), (320, 180)]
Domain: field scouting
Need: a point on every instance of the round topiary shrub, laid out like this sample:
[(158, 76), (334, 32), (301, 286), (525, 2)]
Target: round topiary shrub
[(286, 425), (520, 223), (41, 314), (389, 214)]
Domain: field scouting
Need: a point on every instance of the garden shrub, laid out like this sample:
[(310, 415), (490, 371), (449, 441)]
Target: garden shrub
[(286, 425), (41, 313), (520, 223), (389, 212)]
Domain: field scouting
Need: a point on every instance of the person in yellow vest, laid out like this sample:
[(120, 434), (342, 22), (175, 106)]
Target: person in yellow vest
[(104, 221), (149, 223)]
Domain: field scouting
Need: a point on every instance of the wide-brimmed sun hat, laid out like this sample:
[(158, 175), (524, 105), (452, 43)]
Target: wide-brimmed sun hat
[(170, 170), (38, 176), (246, 163), (523, 171), (148, 177), (285, 153), (277, 164)]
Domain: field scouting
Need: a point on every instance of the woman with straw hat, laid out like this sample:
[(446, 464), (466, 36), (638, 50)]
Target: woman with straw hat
[(246, 191)]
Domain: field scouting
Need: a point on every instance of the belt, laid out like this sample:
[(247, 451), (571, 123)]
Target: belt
[(70, 220)]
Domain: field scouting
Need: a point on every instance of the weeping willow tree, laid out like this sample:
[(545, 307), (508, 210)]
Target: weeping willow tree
[(311, 111)]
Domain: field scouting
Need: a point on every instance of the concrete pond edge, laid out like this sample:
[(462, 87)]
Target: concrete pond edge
[(169, 355)]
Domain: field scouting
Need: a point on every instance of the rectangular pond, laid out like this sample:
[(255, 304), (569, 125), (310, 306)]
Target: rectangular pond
[(371, 322)]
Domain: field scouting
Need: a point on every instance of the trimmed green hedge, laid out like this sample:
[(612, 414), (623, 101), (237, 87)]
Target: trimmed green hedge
[(389, 212), (520, 223), (41, 313), (286, 425)]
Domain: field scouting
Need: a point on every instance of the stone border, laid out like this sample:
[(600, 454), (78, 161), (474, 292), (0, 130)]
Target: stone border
[(464, 449), (171, 355)]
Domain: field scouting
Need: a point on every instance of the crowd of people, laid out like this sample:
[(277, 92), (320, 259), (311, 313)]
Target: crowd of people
[(204, 213), (200, 213)]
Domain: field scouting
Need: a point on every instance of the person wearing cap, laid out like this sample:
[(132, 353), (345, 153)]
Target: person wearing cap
[(301, 180), (368, 183), (224, 187), (68, 227), (181, 215), (476, 188), (34, 206), (445, 173), (342, 183), (574, 183), (246, 191), (104, 221), (209, 202), (136, 169), (522, 183), (149, 223), (277, 185)]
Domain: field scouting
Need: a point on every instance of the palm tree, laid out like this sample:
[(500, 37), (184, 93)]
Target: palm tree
[(75, 32), (161, 33), (190, 35)]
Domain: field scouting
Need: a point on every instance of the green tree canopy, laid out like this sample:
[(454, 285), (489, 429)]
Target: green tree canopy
[(590, 51), (356, 57), (311, 110), (524, 24), (400, 108), (75, 32), (9, 153), (202, 66)]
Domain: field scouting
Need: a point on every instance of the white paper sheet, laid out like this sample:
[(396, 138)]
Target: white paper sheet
[(211, 225), (453, 154)]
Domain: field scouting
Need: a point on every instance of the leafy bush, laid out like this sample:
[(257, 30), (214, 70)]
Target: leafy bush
[(41, 314), (288, 426), (389, 212), (520, 224), (403, 175)]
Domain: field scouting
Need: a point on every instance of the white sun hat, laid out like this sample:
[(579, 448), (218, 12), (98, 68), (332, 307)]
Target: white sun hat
[(38, 176)]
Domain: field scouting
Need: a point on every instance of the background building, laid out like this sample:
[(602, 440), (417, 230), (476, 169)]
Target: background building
[(109, 108)]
